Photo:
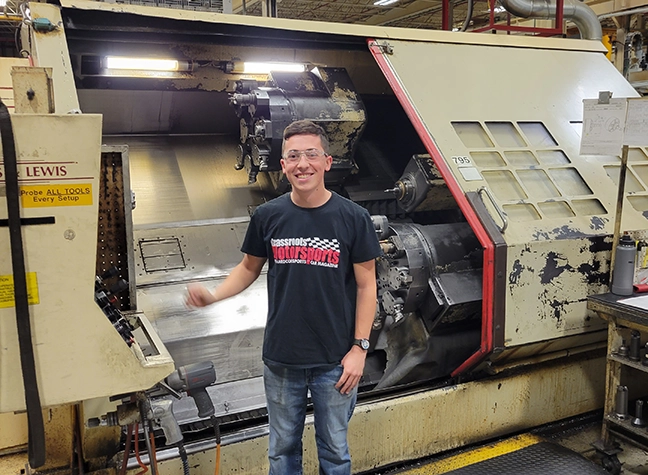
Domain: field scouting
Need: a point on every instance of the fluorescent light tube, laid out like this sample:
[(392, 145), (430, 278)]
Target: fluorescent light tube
[(265, 68), (142, 64), (384, 3)]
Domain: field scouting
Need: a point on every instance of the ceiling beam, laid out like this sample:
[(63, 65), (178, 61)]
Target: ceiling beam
[(390, 15)]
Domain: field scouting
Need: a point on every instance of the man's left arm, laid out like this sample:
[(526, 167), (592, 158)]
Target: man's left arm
[(354, 361)]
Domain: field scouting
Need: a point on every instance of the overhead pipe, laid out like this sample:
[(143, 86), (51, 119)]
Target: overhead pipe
[(623, 13), (577, 12)]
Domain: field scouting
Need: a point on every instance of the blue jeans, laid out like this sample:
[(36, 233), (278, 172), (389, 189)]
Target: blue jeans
[(286, 393)]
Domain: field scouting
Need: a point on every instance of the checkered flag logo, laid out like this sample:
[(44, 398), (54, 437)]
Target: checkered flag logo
[(323, 244)]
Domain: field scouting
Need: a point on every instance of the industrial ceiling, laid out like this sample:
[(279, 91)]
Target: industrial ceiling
[(425, 14), (403, 13)]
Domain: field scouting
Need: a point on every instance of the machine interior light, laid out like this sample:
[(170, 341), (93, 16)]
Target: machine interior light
[(142, 64), (384, 3), (265, 68)]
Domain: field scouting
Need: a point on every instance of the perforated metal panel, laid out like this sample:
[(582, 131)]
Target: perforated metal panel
[(114, 233)]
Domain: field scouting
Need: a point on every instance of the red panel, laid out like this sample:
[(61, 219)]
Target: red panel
[(489, 249), (557, 30), (445, 15)]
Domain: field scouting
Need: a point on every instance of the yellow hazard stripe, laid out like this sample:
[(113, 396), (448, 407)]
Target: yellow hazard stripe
[(475, 456)]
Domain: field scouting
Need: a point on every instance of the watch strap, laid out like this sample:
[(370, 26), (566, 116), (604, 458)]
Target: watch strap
[(363, 343)]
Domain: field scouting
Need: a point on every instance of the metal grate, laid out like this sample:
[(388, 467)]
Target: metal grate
[(162, 254)]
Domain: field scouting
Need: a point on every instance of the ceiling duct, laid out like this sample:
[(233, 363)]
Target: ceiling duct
[(573, 10)]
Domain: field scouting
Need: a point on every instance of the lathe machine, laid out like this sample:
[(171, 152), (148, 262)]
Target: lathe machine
[(135, 180)]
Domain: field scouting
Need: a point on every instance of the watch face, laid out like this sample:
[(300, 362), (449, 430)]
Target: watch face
[(364, 344)]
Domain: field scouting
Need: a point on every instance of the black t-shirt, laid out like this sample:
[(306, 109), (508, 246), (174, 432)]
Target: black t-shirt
[(311, 284)]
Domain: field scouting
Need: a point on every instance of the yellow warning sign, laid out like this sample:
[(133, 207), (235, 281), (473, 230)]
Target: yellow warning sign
[(42, 196), (7, 290)]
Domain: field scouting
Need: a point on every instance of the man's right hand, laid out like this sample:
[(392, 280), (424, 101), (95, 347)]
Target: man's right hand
[(198, 296), (236, 282)]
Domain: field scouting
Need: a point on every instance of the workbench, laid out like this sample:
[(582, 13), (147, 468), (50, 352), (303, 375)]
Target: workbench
[(622, 320)]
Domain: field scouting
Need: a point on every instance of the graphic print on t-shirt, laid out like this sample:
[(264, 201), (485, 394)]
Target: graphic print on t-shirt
[(311, 251)]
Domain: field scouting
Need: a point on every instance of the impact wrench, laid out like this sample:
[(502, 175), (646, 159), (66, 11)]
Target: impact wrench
[(194, 379)]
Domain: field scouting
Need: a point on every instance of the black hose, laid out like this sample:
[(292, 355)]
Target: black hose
[(469, 14), (183, 457), (216, 427), (217, 433), (36, 437)]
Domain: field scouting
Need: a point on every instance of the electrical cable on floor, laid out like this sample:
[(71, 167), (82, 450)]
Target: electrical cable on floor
[(129, 435), (216, 427)]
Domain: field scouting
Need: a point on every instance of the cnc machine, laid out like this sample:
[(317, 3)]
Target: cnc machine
[(463, 147)]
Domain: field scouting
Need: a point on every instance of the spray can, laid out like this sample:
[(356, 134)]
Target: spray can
[(624, 266)]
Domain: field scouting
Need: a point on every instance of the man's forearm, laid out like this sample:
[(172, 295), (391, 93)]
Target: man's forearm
[(365, 275), (239, 279), (365, 311)]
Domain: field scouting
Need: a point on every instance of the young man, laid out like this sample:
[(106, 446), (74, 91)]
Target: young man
[(321, 303)]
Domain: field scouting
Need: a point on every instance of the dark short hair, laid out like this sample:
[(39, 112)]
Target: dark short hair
[(307, 127)]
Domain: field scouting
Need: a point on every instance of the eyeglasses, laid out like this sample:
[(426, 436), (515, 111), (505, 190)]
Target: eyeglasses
[(311, 154)]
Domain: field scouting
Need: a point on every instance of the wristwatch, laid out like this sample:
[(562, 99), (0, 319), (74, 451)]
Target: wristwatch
[(362, 343)]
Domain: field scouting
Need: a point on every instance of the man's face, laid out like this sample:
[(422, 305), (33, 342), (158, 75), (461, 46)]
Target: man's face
[(305, 174)]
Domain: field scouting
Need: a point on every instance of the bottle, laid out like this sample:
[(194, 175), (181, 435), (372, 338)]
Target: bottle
[(624, 266)]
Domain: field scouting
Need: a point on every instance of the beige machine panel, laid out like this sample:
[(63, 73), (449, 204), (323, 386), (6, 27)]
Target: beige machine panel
[(79, 355), (6, 84), (49, 49), (515, 134)]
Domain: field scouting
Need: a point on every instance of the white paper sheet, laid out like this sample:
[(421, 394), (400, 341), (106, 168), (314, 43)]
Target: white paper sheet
[(603, 126), (639, 302), (636, 127)]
